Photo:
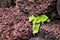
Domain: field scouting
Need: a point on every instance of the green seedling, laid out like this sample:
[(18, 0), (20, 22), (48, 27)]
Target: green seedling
[(37, 21)]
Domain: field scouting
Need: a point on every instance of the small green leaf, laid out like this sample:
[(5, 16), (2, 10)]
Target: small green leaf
[(37, 20), (48, 20), (43, 18), (31, 18), (35, 28)]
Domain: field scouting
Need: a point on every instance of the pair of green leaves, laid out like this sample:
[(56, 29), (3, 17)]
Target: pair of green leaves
[(37, 21)]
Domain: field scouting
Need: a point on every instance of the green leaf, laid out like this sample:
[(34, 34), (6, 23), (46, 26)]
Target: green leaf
[(35, 28), (31, 18), (48, 20), (37, 20), (43, 18)]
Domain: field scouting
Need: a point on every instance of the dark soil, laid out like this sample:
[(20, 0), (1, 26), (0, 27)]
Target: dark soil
[(14, 24), (36, 7)]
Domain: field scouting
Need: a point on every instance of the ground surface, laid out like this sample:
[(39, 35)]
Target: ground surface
[(14, 24)]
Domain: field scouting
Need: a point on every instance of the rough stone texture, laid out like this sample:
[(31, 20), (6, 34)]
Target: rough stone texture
[(7, 3), (36, 38), (13, 25), (53, 29), (48, 31), (36, 7), (58, 6)]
